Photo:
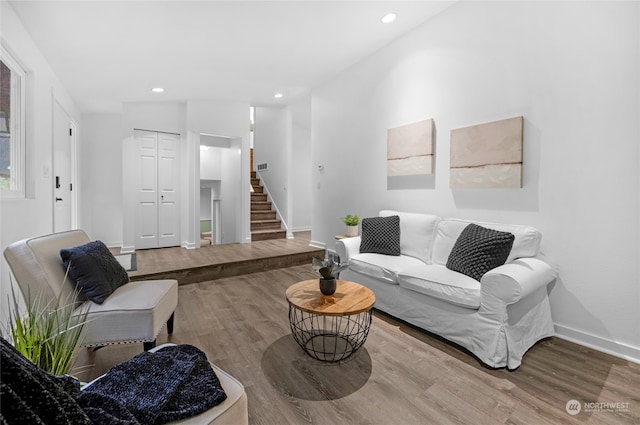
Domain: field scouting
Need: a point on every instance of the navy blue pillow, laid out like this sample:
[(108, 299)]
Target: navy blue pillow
[(95, 270)]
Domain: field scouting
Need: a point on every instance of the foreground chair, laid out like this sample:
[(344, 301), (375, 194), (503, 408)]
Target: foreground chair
[(32, 395), (233, 411), (134, 312)]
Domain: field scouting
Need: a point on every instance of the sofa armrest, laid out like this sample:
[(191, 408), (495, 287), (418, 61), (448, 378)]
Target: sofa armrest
[(517, 279), (347, 248)]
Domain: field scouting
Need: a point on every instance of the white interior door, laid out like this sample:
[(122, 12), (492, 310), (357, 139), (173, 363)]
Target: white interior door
[(168, 183), (146, 148), (63, 200), (158, 179)]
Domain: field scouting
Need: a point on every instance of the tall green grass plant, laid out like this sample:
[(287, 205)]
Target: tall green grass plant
[(49, 334)]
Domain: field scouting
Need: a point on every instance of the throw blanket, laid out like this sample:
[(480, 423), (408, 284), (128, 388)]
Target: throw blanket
[(32, 396), (174, 383)]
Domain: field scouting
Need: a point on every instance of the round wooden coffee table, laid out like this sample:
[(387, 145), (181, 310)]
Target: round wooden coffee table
[(330, 327)]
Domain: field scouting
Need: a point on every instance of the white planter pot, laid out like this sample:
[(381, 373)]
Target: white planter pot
[(352, 231)]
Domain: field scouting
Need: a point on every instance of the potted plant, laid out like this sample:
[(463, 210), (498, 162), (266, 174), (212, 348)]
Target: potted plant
[(329, 271), (47, 335), (352, 222)]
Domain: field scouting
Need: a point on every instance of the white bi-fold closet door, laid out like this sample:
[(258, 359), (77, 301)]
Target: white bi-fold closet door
[(157, 189)]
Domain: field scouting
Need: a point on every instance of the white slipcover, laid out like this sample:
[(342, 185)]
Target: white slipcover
[(497, 319)]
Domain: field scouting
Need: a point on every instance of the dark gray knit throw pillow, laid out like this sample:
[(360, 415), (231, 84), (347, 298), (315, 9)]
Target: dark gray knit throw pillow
[(381, 235), (95, 270), (479, 250)]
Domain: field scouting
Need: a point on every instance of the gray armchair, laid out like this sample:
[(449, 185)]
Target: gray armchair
[(135, 312)]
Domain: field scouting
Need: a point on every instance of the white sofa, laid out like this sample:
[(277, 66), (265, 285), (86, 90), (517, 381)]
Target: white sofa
[(497, 318)]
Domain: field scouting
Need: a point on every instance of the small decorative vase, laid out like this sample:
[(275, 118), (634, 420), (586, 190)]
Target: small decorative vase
[(328, 286), (352, 231)]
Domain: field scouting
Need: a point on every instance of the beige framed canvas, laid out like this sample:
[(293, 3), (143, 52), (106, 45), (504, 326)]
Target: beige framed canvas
[(410, 149), (487, 155)]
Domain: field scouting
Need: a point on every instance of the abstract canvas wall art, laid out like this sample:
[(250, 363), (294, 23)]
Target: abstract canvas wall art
[(410, 149), (487, 155)]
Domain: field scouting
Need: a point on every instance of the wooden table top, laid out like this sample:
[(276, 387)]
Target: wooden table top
[(349, 298)]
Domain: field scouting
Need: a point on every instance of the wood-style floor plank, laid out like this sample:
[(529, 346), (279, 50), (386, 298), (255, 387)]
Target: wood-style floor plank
[(402, 375)]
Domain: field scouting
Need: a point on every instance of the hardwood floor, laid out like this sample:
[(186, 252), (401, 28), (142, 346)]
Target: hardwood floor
[(402, 375)]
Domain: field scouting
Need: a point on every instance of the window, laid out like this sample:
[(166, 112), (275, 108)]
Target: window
[(12, 126)]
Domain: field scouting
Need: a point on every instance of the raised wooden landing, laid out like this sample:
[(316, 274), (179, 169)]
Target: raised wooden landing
[(213, 262)]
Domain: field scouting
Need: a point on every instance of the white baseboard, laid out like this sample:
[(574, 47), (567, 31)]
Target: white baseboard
[(317, 244), (301, 229), (617, 349), (113, 244), (127, 250)]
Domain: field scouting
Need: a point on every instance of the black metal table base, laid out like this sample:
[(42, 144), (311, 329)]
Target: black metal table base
[(329, 338)]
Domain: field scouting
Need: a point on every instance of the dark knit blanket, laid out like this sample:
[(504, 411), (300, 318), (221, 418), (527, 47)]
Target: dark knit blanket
[(29, 395), (174, 383)]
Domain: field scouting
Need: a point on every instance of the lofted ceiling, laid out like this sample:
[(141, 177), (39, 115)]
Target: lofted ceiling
[(109, 52)]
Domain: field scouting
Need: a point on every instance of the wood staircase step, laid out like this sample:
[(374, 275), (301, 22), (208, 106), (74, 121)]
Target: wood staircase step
[(263, 215), (261, 206), (263, 235), (265, 224), (258, 197)]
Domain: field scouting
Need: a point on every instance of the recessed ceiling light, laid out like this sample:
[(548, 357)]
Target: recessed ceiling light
[(389, 17), (157, 89), (278, 95)]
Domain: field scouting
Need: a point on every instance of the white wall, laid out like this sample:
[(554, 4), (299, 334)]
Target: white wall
[(211, 164), (300, 168), (272, 145), (232, 194), (571, 69), (101, 177), (228, 119), (104, 193), (205, 203), (23, 218)]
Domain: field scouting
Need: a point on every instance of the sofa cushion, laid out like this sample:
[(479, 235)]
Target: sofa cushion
[(383, 267), (94, 269), (381, 235), (416, 233), (439, 282), (526, 241), (479, 250)]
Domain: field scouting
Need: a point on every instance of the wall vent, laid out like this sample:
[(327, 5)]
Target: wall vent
[(263, 167)]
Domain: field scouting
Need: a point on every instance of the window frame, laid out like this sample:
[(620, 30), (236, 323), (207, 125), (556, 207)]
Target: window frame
[(18, 126)]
